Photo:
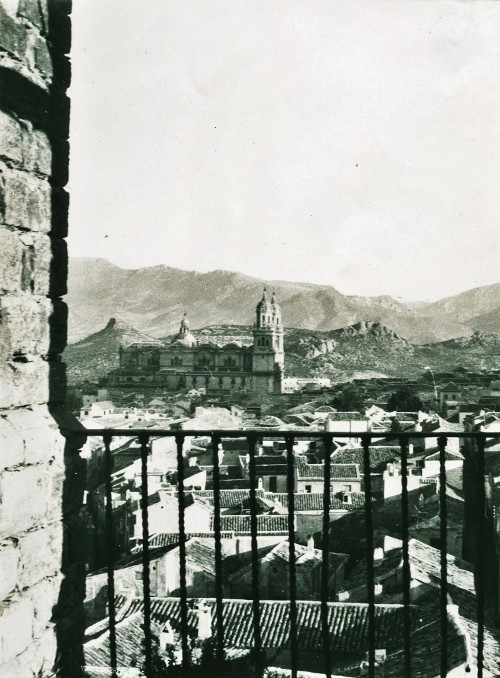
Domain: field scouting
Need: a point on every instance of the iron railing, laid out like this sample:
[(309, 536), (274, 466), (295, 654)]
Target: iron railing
[(473, 443)]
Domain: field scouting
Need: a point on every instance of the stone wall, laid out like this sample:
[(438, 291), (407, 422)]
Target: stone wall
[(34, 119)]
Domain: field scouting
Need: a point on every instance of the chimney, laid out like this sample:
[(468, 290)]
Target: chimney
[(380, 657), (204, 621), (166, 636), (310, 543)]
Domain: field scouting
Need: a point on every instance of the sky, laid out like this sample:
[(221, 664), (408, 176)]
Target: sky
[(346, 143)]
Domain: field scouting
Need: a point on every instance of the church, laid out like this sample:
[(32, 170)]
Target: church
[(183, 363)]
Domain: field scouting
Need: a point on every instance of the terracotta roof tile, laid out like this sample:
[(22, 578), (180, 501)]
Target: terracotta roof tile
[(307, 471), (348, 623), (266, 524)]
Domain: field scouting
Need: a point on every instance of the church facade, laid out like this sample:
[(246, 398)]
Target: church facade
[(185, 363)]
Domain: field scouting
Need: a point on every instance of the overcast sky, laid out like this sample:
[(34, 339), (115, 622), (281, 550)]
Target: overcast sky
[(353, 144)]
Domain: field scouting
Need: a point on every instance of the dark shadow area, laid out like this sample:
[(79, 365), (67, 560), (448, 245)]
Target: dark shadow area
[(68, 614)]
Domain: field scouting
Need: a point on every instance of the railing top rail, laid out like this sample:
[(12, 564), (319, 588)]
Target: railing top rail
[(273, 433)]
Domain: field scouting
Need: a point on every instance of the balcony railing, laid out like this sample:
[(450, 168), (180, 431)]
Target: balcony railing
[(474, 444)]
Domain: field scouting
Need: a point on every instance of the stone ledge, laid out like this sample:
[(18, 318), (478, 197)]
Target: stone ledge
[(38, 489), (25, 200), (16, 614), (32, 383)]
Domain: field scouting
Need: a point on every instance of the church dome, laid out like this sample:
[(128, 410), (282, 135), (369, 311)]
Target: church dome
[(184, 338), (188, 340), (264, 305)]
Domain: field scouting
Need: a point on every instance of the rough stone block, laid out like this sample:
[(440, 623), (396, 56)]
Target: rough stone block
[(41, 657), (28, 487), (10, 261), (26, 201), (11, 444), (43, 61), (24, 329), (10, 138), (11, 6), (25, 384), (9, 562), (16, 614), (31, 10), (40, 438), (36, 150), (40, 555), (42, 262), (13, 35), (44, 596), (25, 264)]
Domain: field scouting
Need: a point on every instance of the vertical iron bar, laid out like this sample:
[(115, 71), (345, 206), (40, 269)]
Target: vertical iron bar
[(218, 549), (179, 439), (325, 543), (290, 472), (403, 443), (480, 568), (110, 548), (143, 439), (370, 570), (444, 548), (252, 443)]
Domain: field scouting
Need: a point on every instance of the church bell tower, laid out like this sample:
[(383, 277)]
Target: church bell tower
[(268, 351)]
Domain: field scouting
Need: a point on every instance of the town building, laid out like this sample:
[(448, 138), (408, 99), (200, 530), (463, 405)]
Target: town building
[(185, 363)]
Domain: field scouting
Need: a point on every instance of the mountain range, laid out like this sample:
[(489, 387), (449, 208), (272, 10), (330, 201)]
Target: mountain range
[(365, 349), (154, 299)]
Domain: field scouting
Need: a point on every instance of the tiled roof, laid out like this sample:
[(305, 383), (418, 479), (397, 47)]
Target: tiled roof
[(129, 637), (172, 538), (380, 455), (348, 623), (266, 524), (314, 501), (302, 501), (449, 456), (425, 646), (306, 559), (426, 560), (345, 416), (228, 498), (307, 471)]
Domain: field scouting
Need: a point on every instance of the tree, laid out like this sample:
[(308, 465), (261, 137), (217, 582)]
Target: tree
[(404, 401), (348, 400)]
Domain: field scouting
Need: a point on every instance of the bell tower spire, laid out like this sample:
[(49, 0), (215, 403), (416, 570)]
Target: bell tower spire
[(268, 351)]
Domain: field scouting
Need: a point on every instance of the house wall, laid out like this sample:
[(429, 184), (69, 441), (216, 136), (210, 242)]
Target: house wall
[(317, 486), (34, 120), (281, 483), (164, 517), (274, 582), (312, 523)]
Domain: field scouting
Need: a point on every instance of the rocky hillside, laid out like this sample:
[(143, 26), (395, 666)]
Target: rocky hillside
[(154, 300), (97, 354), (360, 350)]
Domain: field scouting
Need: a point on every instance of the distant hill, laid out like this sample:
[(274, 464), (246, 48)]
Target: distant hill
[(360, 350), (154, 299), (97, 354)]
